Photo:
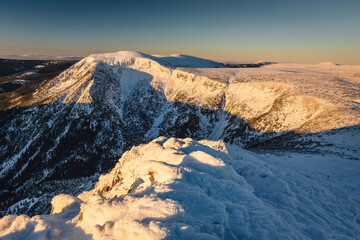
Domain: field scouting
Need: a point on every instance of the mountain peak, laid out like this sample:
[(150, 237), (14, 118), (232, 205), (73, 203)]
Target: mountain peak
[(173, 60), (121, 55)]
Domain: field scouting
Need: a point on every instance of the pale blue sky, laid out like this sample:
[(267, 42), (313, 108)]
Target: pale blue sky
[(243, 30)]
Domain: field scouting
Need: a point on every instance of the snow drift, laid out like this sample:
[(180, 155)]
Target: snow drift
[(185, 189)]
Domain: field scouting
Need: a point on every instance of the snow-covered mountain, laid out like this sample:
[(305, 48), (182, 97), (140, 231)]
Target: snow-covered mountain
[(185, 189), (79, 123)]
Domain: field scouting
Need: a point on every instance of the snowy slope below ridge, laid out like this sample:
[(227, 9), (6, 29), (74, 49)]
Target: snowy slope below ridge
[(181, 188)]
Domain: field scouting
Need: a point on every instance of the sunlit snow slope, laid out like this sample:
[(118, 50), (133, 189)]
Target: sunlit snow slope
[(185, 189)]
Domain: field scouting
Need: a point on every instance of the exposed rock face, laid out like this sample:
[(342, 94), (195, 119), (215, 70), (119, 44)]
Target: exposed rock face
[(80, 122)]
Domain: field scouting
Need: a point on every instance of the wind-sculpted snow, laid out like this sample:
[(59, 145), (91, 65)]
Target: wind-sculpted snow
[(185, 189)]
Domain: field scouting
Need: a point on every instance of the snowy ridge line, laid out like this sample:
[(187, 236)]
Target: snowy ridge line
[(181, 188), (268, 106)]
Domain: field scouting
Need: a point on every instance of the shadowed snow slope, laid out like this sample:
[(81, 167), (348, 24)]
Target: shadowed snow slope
[(185, 189)]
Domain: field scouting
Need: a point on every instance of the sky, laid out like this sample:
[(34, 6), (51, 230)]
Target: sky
[(223, 30)]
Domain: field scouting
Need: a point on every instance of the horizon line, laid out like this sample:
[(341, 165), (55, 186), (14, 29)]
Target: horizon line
[(49, 57)]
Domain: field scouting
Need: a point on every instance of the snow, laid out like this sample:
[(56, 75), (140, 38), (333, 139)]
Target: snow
[(262, 62), (186, 189), (277, 97), (28, 74), (10, 163), (62, 202), (178, 60), (331, 64), (20, 81), (330, 87), (121, 55), (251, 100)]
